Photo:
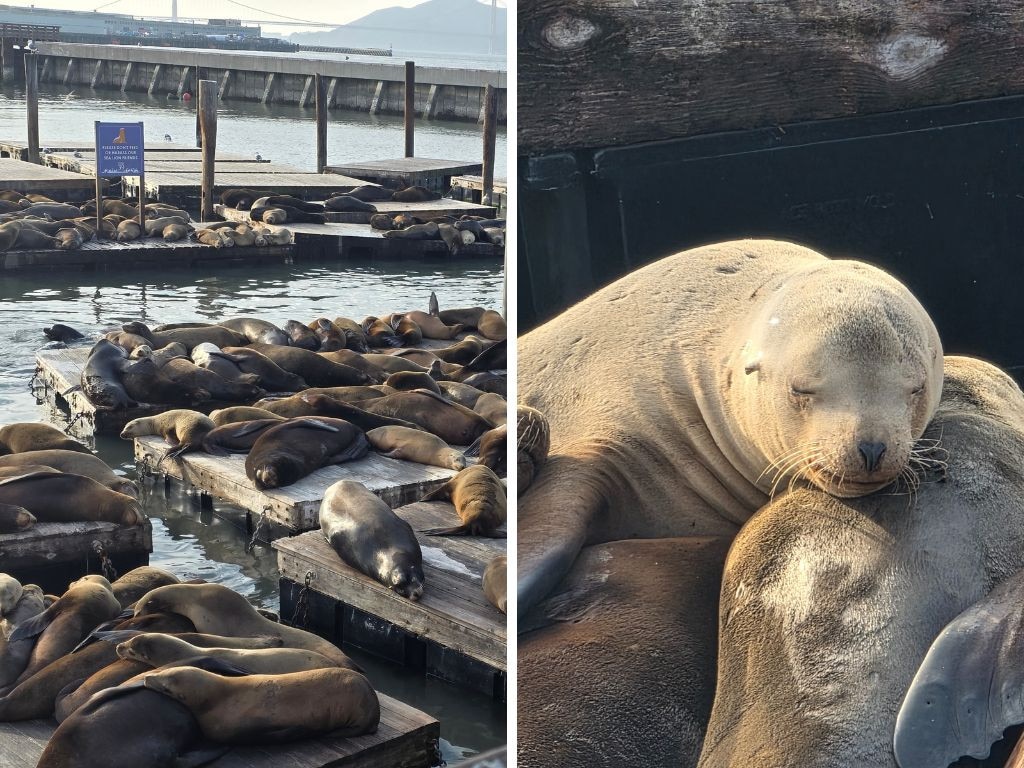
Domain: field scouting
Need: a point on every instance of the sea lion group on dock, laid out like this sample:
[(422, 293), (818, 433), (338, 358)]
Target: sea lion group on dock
[(150, 671)]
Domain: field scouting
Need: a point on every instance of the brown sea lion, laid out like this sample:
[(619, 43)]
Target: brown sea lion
[(355, 338), (157, 649), (128, 230), (155, 227), (239, 413), (69, 239), (415, 194), (427, 231), (273, 377), (31, 436), (492, 407), (350, 394), (393, 364), (382, 221), (46, 494), (432, 327), (14, 656), (219, 610), (533, 442), (213, 238), (495, 582), (355, 360), (453, 423), (491, 449), (14, 518), (237, 437), (380, 334), (479, 499), (370, 537), (289, 451), (314, 369), (172, 233), (182, 428), (468, 316), (407, 380), (75, 463), (415, 445), (460, 393), (191, 378), (272, 709), (55, 211), (138, 581), (330, 337), (492, 325), (256, 330), (190, 337)]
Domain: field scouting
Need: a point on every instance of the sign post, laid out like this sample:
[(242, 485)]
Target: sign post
[(119, 152)]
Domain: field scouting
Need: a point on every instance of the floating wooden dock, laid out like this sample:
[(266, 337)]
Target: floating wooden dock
[(60, 185), (348, 241), (150, 251), (52, 554), (406, 738), (451, 631), (400, 172), (296, 506), (182, 188), (80, 161), (430, 209), (471, 189), (18, 148)]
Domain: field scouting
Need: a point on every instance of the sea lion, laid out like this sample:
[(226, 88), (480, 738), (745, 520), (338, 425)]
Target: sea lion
[(493, 358), (629, 636), (427, 231), (279, 236), (120, 208), (371, 193), (242, 199), (315, 370), (288, 452), (101, 376), (75, 463), (190, 337), (9, 231), (10, 593), (239, 413), (491, 449), (453, 423), (487, 382), (14, 518), (408, 331), (452, 238), (836, 601), (355, 360), (460, 393), (382, 221), (271, 709), (29, 436), (462, 352), (415, 445), (280, 214), (479, 499), (30, 238), (351, 394), (14, 656), (370, 537), (432, 327), (495, 235), (213, 358), (347, 204), (495, 583), (219, 610), (301, 336), (289, 201), (355, 338), (193, 379), (144, 381), (172, 233), (415, 194), (405, 220), (214, 238), (392, 364), (405, 381), (243, 236), (155, 227), (380, 334), (237, 437), (46, 494), (61, 332), (257, 330), (88, 602), (55, 211), (127, 341), (492, 407), (138, 581), (790, 367), (330, 337), (157, 649), (182, 428), (492, 325), (272, 377), (128, 230), (69, 239)]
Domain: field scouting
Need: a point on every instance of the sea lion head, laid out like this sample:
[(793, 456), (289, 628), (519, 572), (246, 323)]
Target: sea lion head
[(841, 373), (10, 593), (405, 575)]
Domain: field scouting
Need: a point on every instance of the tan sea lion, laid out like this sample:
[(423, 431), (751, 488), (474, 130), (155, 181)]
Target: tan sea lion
[(370, 537), (789, 368), (533, 443), (380, 334), (9, 235), (219, 610), (495, 582), (48, 495), (355, 338), (355, 360), (237, 437), (87, 603), (239, 413), (155, 227), (182, 428), (492, 325), (256, 330), (391, 364), (432, 327), (491, 449), (405, 381), (415, 445), (190, 337), (30, 436), (120, 208), (75, 463), (128, 230), (271, 709), (157, 649), (479, 499), (492, 407), (14, 656), (462, 352), (468, 316), (212, 238), (172, 233), (453, 423), (314, 369), (331, 337), (280, 236), (460, 393), (14, 518), (243, 236), (69, 239), (351, 394), (138, 581)]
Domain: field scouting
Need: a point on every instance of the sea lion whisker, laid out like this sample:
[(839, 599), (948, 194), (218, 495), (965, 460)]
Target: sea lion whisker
[(788, 456)]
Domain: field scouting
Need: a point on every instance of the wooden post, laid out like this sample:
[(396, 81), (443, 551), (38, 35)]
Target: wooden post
[(99, 188), (410, 106), (32, 105), (207, 110), (320, 88), (490, 139), (142, 186)]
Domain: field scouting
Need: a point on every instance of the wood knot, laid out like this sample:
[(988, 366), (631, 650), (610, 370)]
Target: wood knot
[(568, 33)]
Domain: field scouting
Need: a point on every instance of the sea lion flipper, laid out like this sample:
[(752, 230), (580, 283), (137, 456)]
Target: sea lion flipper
[(355, 450), (317, 424), (433, 308), (201, 755), (474, 449), (106, 626), (441, 493), (458, 530), (115, 636), (966, 691), (32, 627)]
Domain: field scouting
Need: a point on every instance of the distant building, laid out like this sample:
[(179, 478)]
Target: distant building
[(93, 23)]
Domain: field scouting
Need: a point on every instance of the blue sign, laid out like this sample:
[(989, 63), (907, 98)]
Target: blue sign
[(119, 148)]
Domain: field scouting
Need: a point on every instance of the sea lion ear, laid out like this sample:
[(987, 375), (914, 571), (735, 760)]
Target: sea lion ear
[(967, 690)]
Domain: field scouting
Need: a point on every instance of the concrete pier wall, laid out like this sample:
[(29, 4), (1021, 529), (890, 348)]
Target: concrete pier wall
[(441, 93)]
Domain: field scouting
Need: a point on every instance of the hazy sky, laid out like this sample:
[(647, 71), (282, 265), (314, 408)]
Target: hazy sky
[(331, 12)]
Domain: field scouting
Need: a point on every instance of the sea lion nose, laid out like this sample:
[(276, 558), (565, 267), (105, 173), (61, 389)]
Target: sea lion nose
[(872, 453)]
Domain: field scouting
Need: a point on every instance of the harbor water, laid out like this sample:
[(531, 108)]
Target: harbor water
[(212, 544)]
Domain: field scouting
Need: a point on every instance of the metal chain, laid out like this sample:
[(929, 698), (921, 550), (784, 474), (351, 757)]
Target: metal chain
[(261, 523), (300, 616), (109, 571)]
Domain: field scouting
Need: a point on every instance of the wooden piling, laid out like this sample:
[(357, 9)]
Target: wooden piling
[(32, 105), (410, 107), (320, 89), (207, 110), (490, 140)]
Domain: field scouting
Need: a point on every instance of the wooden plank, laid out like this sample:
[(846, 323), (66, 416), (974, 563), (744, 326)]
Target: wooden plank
[(595, 73), (477, 183), (406, 738), (27, 177), (296, 506), (49, 543), (452, 611), (109, 254), (426, 210), (405, 165)]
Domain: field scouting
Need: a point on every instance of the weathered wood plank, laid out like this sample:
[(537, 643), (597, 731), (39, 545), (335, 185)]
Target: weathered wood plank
[(596, 73), (452, 611), (406, 738), (429, 209), (296, 506), (49, 543), (27, 177)]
